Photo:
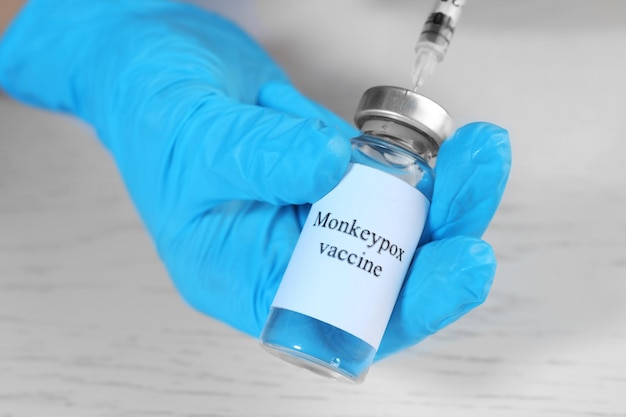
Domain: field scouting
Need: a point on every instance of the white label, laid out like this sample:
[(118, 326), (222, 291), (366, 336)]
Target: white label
[(353, 253)]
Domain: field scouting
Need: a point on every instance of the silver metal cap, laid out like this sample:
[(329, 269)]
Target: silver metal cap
[(408, 108)]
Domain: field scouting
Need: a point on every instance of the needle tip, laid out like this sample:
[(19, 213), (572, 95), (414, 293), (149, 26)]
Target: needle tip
[(425, 61)]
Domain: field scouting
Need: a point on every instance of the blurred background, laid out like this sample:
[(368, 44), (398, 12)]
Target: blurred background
[(90, 324)]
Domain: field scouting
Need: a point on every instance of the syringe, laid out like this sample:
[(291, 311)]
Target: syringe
[(435, 37)]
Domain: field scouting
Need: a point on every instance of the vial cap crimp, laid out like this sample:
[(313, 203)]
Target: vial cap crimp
[(406, 108)]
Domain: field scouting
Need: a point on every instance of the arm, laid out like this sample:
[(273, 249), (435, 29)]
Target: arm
[(8, 10)]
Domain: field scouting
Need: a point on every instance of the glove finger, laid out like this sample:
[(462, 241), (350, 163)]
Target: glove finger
[(221, 149), (472, 170), (266, 155), (285, 97), (447, 279)]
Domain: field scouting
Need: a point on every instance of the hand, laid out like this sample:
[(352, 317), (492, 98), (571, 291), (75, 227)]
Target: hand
[(221, 155)]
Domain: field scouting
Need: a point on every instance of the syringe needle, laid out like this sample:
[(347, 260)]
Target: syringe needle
[(435, 38), (426, 60)]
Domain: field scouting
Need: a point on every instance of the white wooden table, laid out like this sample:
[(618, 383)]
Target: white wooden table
[(90, 324)]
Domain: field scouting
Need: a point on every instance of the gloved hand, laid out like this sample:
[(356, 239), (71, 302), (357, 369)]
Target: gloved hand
[(221, 154)]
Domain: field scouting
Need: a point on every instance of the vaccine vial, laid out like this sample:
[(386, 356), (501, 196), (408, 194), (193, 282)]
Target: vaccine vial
[(342, 281)]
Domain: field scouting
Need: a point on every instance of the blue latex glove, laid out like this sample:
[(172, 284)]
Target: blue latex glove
[(221, 154)]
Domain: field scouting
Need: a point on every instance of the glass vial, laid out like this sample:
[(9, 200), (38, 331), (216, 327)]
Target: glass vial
[(343, 279)]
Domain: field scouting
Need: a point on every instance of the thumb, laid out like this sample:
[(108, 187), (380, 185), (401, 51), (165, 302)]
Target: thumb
[(208, 148), (254, 153)]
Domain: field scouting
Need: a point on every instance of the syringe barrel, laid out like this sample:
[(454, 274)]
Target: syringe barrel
[(439, 26)]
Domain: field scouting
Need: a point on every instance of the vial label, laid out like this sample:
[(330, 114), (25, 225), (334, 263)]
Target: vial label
[(354, 251)]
